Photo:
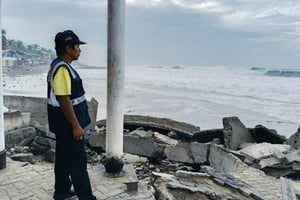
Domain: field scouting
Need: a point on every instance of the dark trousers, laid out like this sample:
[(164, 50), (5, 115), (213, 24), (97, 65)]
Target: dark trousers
[(71, 161)]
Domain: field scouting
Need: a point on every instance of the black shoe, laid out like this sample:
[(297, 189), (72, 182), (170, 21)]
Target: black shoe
[(92, 197), (64, 196)]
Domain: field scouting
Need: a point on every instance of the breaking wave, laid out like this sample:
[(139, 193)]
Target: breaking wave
[(283, 73), (257, 68), (294, 73)]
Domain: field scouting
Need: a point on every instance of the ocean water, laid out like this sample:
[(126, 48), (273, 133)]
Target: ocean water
[(198, 95)]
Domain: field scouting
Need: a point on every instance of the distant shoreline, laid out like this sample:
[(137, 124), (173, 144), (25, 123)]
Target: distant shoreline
[(24, 70), (40, 69)]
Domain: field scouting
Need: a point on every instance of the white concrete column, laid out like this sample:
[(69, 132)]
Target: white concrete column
[(115, 78), (2, 144)]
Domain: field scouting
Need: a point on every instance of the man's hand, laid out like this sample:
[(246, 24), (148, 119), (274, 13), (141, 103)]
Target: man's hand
[(78, 133)]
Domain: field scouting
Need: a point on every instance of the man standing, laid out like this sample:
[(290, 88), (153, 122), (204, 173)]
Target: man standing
[(67, 117)]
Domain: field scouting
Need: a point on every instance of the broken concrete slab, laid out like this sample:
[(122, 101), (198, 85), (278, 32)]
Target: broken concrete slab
[(142, 146), (224, 161), (192, 186), (141, 133), (288, 166), (262, 134), (268, 162), (131, 158), (251, 182), (294, 156), (158, 137), (276, 160), (50, 155), (40, 145), (287, 188), (296, 166), (24, 157), (19, 137), (281, 170), (14, 119), (42, 130), (209, 135), (35, 105), (20, 149), (294, 140), (228, 180), (161, 125), (164, 139), (260, 151), (193, 153), (97, 140), (235, 133), (93, 110)]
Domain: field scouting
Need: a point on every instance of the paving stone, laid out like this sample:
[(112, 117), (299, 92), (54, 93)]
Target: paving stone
[(21, 181), (23, 196), (5, 197), (259, 182), (188, 152), (42, 195), (19, 185)]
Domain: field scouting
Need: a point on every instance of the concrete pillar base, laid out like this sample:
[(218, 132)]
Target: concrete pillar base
[(129, 177), (3, 159), (113, 166)]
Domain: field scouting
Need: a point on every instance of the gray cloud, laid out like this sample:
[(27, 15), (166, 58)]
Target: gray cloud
[(169, 32)]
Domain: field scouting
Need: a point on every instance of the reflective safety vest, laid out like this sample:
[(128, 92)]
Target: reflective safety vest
[(56, 118)]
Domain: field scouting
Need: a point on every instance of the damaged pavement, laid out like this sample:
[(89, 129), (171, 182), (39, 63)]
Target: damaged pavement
[(188, 166), (179, 160)]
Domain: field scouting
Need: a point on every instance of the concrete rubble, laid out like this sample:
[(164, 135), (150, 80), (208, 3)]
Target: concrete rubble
[(294, 140), (232, 126), (179, 160)]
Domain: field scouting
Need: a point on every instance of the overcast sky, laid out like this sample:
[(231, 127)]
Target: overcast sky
[(261, 33)]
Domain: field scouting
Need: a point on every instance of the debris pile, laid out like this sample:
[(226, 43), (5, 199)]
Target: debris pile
[(183, 162), (235, 157)]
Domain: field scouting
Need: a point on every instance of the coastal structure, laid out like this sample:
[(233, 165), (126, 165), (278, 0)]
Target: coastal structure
[(2, 143), (115, 85)]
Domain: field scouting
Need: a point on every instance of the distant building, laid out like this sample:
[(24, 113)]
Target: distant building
[(11, 58)]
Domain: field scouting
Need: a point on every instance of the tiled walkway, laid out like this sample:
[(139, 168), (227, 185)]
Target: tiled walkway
[(35, 182)]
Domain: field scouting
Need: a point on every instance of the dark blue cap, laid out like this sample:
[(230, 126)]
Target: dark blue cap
[(67, 37)]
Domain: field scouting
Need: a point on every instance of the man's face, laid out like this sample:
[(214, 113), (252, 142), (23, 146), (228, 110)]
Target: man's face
[(75, 52)]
